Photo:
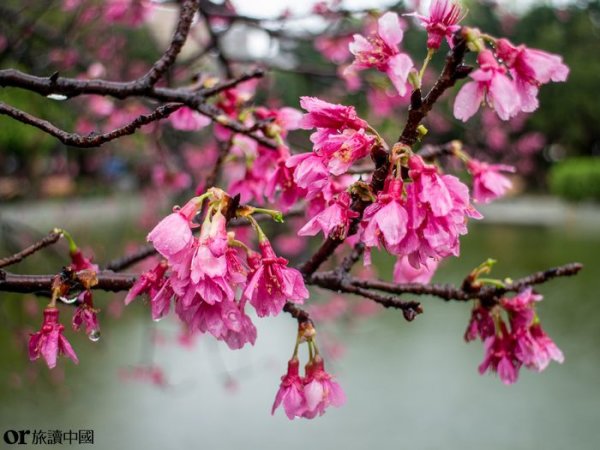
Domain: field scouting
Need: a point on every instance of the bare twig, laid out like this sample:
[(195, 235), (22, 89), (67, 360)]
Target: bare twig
[(50, 239), (92, 139)]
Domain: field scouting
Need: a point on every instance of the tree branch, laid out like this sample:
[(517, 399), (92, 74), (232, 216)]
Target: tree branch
[(93, 139), (48, 240), (158, 69)]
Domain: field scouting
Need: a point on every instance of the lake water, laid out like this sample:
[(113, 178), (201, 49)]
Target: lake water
[(409, 385)]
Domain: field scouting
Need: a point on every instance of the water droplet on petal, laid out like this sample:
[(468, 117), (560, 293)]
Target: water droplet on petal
[(94, 335), (176, 208)]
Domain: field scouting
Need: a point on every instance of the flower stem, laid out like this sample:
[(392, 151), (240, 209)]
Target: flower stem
[(430, 53), (72, 245)]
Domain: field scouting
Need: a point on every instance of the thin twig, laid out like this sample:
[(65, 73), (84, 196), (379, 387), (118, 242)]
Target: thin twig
[(50, 239)]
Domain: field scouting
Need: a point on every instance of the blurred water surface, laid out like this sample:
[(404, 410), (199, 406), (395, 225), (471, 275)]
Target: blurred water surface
[(409, 385)]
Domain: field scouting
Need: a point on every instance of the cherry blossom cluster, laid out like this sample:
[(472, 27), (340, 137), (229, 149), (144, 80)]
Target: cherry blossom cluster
[(508, 77), (518, 341), (310, 395), (420, 213), (211, 277)]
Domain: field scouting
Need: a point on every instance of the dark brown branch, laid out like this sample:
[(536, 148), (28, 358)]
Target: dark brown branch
[(450, 292), (50, 239), (107, 281), (93, 139), (453, 71), (158, 69), (124, 262), (296, 312)]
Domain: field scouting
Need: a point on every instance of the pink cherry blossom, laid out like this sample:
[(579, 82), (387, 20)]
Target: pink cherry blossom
[(320, 391), (225, 320), (530, 68), (442, 22), (521, 308), (149, 282), (488, 183), (380, 51), (310, 173), (322, 114), (85, 315), (491, 84), (80, 262), (49, 342), (536, 349), (272, 283), (291, 392), (384, 221), (340, 150), (333, 220), (500, 358), (186, 119), (481, 325), (404, 272), (173, 233), (437, 207), (282, 180)]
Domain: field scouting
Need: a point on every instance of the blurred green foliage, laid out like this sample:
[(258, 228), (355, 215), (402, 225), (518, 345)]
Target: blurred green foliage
[(576, 179)]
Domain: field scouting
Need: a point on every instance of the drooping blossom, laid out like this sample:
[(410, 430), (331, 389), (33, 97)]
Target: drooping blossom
[(186, 119), (533, 346), (173, 233), (49, 342), (488, 183), (291, 392), (500, 357), (272, 283), (80, 262), (332, 221), (536, 349), (149, 282), (490, 83), (320, 390), (86, 315), (310, 173), (437, 207), (404, 272), (380, 51), (481, 325), (520, 342), (282, 180), (442, 22), (530, 68), (384, 221)]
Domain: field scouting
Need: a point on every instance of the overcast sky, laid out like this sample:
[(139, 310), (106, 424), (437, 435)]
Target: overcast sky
[(270, 8)]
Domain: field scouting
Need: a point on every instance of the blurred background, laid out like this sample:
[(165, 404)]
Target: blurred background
[(415, 385)]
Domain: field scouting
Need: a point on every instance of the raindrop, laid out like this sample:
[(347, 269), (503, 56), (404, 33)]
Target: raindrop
[(157, 319), (68, 301), (58, 97), (94, 335)]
